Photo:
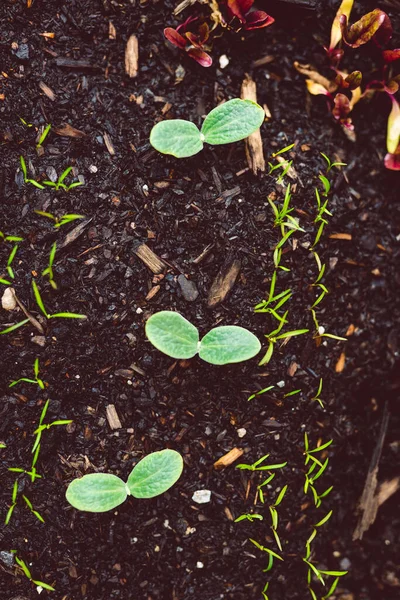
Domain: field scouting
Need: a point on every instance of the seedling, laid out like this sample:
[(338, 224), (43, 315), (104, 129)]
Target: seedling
[(25, 173), (60, 315), (274, 516), (14, 327), (150, 477), (249, 517), (193, 43), (4, 237), (317, 395), (227, 123), (280, 299), (283, 217), (42, 427), (317, 283), (173, 335), (33, 511), (60, 183), (309, 454), (27, 573), (264, 391), (43, 136), (332, 164), (256, 466), (13, 502), (275, 336), (49, 270), (320, 331), (36, 381), (11, 257), (59, 221), (271, 555)]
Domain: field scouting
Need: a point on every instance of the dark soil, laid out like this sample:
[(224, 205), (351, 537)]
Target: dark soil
[(170, 547)]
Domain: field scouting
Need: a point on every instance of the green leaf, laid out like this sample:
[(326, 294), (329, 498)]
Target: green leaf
[(38, 298), (228, 344), (96, 492), (172, 334), (45, 586), (232, 121), (155, 474), (23, 566), (324, 520), (13, 327), (67, 315), (177, 137)]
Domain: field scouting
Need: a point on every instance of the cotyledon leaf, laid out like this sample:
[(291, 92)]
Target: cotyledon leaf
[(232, 121), (96, 492), (177, 137), (155, 474), (172, 334), (228, 344)]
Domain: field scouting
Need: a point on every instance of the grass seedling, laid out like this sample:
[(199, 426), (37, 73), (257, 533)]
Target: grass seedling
[(59, 221), (280, 299), (271, 555), (283, 164), (36, 381), (274, 516), (309, 454), (4, 237), (317, 395), (60, 315), (321, 211), (277, 255), (249, 517), (283, 217), (14, 327), (320, 331), (275, 336), (43, 136), (33, 511), (49, 270), (13, 502), (264, 591), (60, 183), (27, 573), (25, 173), (256, 466), (264, 391), (317, 283), (292, 393), (11, 257), (332, 164), (42, 427)]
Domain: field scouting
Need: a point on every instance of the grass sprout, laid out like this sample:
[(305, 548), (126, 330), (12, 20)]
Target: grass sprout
[(25, 174), (332, 164), (4, 237), (36, 381), (264, 391), (275, 336), (249, 517), (60, 315), (320, 331), (60, 183), (49, 270), (43, 136), (59, 221), (317, 395), (27, 574), (280, 299)]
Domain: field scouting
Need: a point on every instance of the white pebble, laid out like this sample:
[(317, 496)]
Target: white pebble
[(93, 169), (8, 301), (199, 565), (201, 496), (223, 61), (281, 384), (241, 432)]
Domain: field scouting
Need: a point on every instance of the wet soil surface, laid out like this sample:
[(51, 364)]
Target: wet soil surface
[(197, 215)]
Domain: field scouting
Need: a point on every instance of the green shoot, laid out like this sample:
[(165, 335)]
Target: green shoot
[(271, 554), (282, 217), (25, 122), (4, 237), (264, 591), (292, 393), (60, 183), (60, 315), (317, 395), (281, 299), (14, 327), (13, 502), (256, 465), (25, 174), (320, 331), (49, 270), (332, 164), (36, 381), (275, 336), (264, 391), (27, 573), (59, 221), (33, 511), (10, 270), (249, 517), (285, 149), (43, 136), (274, 516)]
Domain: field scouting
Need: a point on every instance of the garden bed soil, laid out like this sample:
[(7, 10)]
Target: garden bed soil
[(170, 547)]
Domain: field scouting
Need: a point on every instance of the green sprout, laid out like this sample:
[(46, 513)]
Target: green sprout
[(264, 591), (332, 164), (321, 211), (27, 573), (278, 250), (43, 136), (60, 315), (249, 517), (280, 299), (256, 466), (264, 391), (283, 164), (275, 336), (175, 336), (14, 327), (274, 516), (11, 257), (33, 511), (320, 331), (227, 123), (59, 221), (42, 427), (36, 381), (153, 475), (60, 183), (49, 270), (317, 395), (25, 173), (282, 216), (13, 502), (271, 555), (4, 237)]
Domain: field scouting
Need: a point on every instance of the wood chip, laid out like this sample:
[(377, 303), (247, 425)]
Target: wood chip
[(112, 32), (340, 236), (253, 144), (224, 282), (48, 34), (154, 290), (228, 458), (112, 417), (340, 363), (291, 171), (109, 144), (150, 259), (46, 90), (350, 330), (67, 130), (75, 233), (28, 315), (265, 60), (132, 56)]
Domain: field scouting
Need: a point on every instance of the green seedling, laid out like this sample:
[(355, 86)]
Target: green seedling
[(292, 393), (227, 123), (60, 183), (173, 335), (2, 445), (332, 164), (264, 391), (13, 502), (277, 255), (150, 477), (14, 327), (11, 257), (59, 221), (257, 466), (60, 315), (309, 454), (42, 427), (4, 237), (36, 381), (27, 573), (271, 555), (49, 270), (280, 299), (264, 591), (25, 122), (283, 164), (282, 216), (249, 517), (43, 136), (33, 511), (25, 173), (274, 516), (317, 283), (320, 331), (321, 211), (275, 336), (317, 395)]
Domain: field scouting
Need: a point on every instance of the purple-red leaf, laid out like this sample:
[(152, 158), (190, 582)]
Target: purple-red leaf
[(392, 161), (353, 80), (200, 56), (391, 55), (375, 24), (341, 107), (175, 38), (258, 19), (238, 8)]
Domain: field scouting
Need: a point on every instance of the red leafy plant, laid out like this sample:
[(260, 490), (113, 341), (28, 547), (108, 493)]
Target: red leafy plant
[(231, 14), (345, 90)]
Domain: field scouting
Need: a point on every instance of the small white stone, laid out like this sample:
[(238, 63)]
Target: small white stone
[(281, 384), (139, 311), (223, 61), (39, 589), (157, 549), (190, 530), (8, 301), (241, 432), (277, 436), (201, 496), (199, 565), (321, 330), (93, 169)]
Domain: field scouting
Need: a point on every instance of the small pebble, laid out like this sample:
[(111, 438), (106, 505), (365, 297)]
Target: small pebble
[(188, 288), (223, 61), (281, 384), (241, 432), (40, 340), (345, 564), (199, 565), (201, 496), (93, 169), (8, 301)]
